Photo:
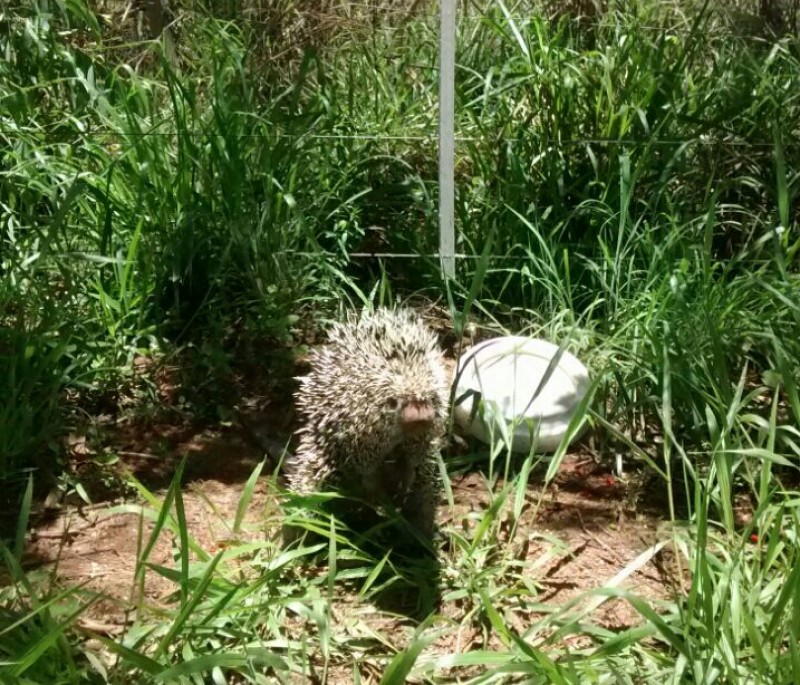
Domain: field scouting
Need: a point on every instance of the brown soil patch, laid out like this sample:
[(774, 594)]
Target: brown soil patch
[(576, 536), (587, 528), (98, 546)]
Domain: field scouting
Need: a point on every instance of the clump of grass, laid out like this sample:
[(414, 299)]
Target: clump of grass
[(36, 642), (147, 210)]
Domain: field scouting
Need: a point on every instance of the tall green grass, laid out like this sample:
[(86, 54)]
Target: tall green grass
[(260, 613)]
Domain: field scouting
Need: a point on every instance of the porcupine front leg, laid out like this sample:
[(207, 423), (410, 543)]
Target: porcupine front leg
[(420, 505), (390, 479)]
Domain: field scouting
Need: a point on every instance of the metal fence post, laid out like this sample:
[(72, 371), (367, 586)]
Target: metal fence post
[(447, 74)]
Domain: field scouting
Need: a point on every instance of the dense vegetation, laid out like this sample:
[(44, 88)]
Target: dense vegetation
[(627, 184)]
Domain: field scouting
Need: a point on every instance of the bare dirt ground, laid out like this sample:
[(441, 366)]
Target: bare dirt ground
[(602, 525), (586, 529)]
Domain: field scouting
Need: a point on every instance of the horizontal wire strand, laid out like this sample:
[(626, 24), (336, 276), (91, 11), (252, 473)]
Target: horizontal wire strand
[(703, 139)]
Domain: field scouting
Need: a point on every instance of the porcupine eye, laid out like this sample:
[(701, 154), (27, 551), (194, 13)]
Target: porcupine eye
[(392, 404)]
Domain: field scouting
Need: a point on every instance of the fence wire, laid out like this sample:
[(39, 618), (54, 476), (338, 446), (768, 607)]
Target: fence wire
[(703, 139)]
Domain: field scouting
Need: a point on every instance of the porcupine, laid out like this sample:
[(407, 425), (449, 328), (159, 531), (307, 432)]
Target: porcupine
[(374, 408)]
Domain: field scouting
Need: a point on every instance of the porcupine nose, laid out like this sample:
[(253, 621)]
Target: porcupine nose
[(417, 416)]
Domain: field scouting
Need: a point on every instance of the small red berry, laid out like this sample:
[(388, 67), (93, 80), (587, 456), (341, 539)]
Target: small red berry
[(754, 538), (610, 482)]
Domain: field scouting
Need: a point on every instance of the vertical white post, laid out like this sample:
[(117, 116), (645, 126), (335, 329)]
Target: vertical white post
[(447, 77)]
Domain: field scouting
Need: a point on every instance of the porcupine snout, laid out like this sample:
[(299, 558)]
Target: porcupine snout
[(417, 417)]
